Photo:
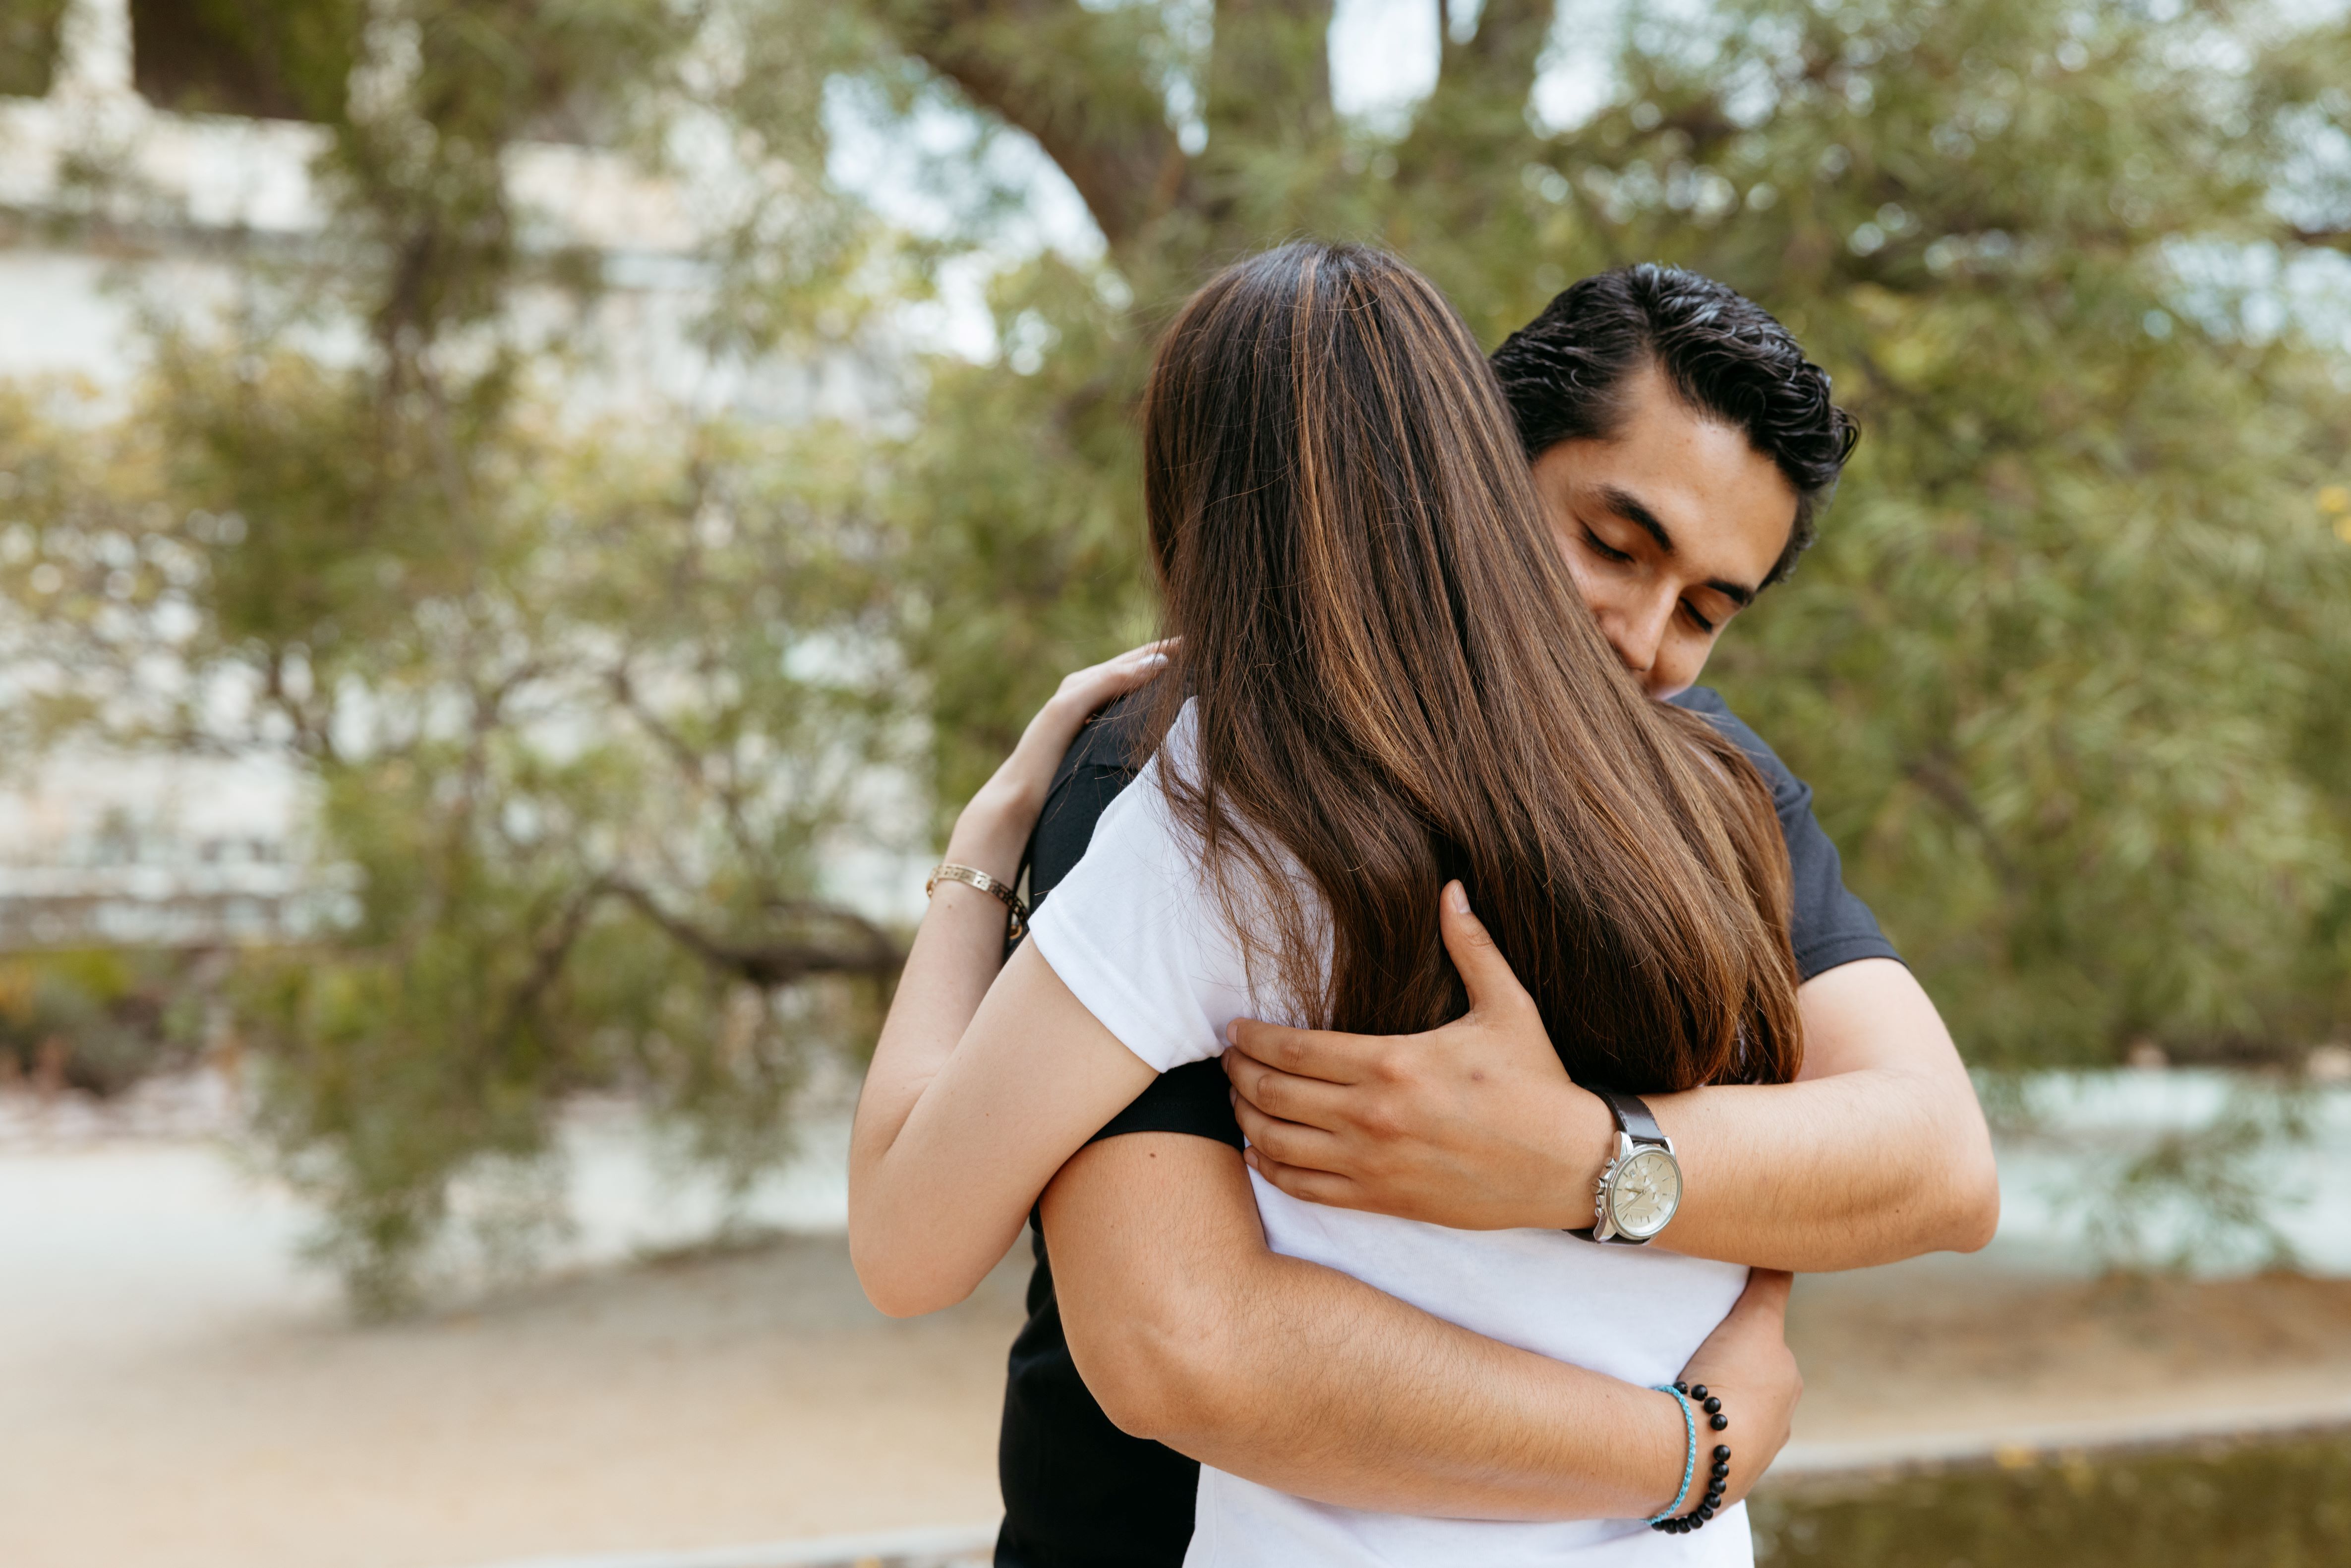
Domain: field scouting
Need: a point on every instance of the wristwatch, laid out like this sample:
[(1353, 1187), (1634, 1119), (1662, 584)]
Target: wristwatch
[(1641, 1187)]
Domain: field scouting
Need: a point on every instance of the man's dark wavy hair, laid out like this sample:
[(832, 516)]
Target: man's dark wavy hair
[(1564, 375)]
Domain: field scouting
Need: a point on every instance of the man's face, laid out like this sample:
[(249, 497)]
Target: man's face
[(1670, 527)]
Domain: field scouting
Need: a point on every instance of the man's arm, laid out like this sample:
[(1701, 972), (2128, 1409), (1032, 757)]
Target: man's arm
[(1189, 1330), (1878, 1151)]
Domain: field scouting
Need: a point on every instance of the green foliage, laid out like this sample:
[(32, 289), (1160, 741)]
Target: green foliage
[(2067, 667), (241, 57), (100, 1020), (1019, 544), (30, 31), (585, 703), (579, 701), (571, 763)]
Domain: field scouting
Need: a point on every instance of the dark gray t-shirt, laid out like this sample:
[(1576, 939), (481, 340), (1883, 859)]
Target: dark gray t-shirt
[(1078, 1492)]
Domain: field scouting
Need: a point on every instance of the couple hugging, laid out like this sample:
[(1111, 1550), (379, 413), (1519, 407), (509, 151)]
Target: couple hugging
[(1441, 1028)]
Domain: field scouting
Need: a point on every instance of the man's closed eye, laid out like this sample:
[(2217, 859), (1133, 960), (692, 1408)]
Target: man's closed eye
[(1605, 550)]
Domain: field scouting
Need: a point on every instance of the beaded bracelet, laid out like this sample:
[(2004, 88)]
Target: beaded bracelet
[(1717, 1478), (1689, 1455)]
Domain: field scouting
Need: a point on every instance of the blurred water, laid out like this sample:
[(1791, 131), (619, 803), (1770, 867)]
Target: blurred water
[(167, 1227), (2058, 1159), (97, 1215)]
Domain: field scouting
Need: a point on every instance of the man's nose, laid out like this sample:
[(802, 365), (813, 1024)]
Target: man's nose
[(1637, 632)]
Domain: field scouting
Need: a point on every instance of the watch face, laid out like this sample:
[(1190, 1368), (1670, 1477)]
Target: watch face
[(1647, 1191)]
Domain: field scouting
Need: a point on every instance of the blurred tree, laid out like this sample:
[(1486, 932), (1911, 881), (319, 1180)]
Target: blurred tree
[(101, 1018), (2068, 666), (31, 33), (585, 702), (243, 56)]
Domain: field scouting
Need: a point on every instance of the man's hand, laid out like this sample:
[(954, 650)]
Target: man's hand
[(1876, 1151), (1746, 1362), (1475, 1125)]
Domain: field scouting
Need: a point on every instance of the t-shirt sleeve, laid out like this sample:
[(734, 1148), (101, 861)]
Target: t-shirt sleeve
[(1830, 926), (1195, 1099), (1137, 935)]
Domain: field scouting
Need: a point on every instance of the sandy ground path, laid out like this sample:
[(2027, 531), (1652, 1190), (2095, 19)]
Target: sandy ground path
[(174, 1393), (203, 1405)]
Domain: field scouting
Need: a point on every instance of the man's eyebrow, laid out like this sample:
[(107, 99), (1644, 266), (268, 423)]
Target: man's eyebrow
[(1741, 596), (1630, 507)]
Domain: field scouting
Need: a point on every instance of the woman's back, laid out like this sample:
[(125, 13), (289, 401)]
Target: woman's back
[(1141, 937), (1397, 685)]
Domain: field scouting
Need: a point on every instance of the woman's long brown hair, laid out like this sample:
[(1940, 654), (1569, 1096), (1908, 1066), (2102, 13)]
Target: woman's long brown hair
[(1398, 683)]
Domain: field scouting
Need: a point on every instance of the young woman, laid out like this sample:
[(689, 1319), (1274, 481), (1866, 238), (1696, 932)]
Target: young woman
[(1380, 683)]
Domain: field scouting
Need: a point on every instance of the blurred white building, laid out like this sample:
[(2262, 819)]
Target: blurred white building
[(116, 197), (143, 162)]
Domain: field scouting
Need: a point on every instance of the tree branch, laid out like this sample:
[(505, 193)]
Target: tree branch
[(546, 962), (1499, 59), (1940, 779), (1081, 82), (688, 761), (829, 941), (1480, 102), (1269, 73)]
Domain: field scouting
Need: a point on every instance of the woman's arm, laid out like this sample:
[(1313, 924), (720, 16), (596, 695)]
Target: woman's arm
[(975, 1096)]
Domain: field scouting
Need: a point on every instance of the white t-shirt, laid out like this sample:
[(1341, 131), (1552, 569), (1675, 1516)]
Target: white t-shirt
[(1136, 934)]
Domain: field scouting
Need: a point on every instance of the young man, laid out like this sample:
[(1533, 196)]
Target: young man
[(1682, 447)]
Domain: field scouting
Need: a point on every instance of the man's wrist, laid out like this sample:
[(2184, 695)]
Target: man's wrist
[(1671, 1452), (1587, 1143)]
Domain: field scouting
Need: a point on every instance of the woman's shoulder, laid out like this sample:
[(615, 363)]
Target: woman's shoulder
[(1135, 932)]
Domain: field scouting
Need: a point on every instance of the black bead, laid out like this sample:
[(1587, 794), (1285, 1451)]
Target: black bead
[(1719, 1421), (1713, 1406), (1722, 1452), (1698, 1521), (1698, 1393), (1722, 1467), (1706, 1512), (1680, 1387)]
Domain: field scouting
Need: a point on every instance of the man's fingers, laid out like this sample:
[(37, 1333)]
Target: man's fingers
[(1288, 1142), (1307, 1052), (1286, 1094), (1309, 1186), (1485, 975), (1767, 1290)]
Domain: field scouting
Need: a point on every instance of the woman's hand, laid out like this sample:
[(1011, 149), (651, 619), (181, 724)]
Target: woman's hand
[(994, 828), (1747, 1362)]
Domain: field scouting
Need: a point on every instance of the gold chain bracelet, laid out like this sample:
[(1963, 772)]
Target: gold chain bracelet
[(972, 876)]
